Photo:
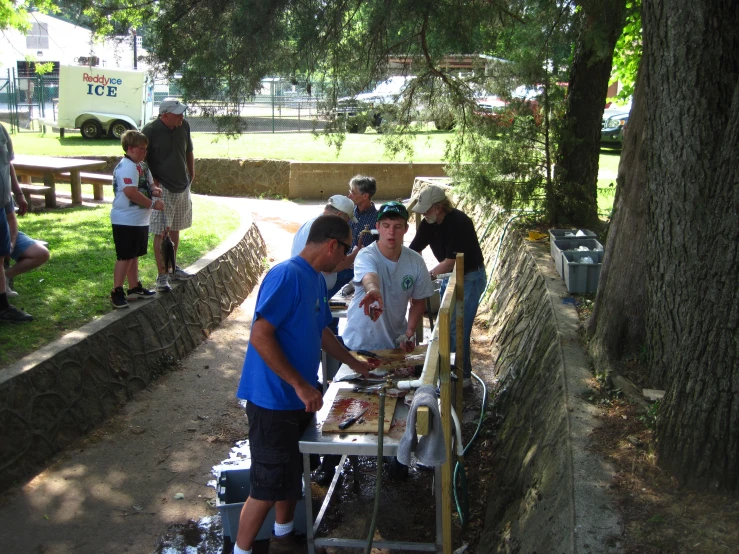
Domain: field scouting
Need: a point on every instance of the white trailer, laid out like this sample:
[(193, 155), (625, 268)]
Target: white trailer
[(102, 101)]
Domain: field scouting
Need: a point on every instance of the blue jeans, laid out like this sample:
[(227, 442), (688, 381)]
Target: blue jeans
[(474, 286)]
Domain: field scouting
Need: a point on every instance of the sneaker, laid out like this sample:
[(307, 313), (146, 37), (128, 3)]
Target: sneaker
[(293, 543), (8, 288), (182, 275), (118, 298), (14, 315), (140, 292), (163, 283)]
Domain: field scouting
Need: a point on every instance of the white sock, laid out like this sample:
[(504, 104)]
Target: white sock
[(282, 529), (238, 550)]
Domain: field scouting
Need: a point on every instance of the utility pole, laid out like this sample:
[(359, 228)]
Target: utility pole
[(135, 52)]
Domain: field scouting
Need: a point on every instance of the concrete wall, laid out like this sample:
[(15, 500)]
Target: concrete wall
[(318, 180), (65, 389), (306, 180)]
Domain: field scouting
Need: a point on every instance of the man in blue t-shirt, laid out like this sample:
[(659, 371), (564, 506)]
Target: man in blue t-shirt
[(280, 375)]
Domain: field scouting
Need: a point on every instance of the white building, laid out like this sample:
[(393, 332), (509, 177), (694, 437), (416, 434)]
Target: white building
[(53, 40)]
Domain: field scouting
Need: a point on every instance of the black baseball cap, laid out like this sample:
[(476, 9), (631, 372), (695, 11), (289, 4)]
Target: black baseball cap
[(392, 208)]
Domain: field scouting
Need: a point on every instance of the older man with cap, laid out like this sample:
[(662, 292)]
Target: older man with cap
[(172, 164), (449, 231), (344, 208)]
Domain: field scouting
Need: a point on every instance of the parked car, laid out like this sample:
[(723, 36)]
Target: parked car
[(615, 119), (371, 108), (503, 113)]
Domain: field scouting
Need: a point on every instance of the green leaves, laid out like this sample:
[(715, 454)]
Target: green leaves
[(628, 53)]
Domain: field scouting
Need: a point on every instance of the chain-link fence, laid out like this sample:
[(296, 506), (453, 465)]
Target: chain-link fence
[(25, 102)]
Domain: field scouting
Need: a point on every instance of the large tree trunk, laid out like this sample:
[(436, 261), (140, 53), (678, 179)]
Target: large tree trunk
[(617, 325), (692, 130), (577, 170)]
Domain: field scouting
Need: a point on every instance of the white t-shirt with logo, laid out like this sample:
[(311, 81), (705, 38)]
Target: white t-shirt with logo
[(400, 282), (124, 211)]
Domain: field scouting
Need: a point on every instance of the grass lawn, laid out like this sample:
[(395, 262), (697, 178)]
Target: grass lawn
[(429, 147), (72, 288), (305, 147)]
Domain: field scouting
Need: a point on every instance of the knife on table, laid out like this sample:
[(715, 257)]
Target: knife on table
[(350, 421)]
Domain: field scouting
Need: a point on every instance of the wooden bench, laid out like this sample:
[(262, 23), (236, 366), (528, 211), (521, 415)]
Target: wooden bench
[(97, 180), (38, 190)]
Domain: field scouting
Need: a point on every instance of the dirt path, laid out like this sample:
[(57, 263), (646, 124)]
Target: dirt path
[(114, 491)]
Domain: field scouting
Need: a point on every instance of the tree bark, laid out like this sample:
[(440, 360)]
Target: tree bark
[(692, 130), (575, 201), (617, 326)]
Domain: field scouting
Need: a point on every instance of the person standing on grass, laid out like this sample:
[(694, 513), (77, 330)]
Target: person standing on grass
[(8, 185), (136, 196), (172, 163), (279, 379)]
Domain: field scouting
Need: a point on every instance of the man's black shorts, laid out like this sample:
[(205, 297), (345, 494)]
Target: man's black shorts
[(276, 462), (130, 241)]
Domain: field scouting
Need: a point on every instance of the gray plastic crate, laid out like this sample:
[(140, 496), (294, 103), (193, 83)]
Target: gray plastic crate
[(557, 234), (232, 489), (562, 245), (581, 278)]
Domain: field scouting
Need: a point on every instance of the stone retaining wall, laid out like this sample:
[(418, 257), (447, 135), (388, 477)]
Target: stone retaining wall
[(65, 389), (549, 493), (306, 180)]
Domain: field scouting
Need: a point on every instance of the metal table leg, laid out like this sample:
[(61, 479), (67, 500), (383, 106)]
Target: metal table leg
[(308, 505)]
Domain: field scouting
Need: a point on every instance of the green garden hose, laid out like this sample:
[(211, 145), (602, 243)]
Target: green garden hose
[(378, 481), (463, 510)]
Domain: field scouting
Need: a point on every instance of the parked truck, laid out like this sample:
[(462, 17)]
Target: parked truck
[(101, 101)]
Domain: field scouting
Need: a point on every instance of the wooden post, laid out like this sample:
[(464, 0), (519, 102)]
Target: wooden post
[(74, 175), (459, 335), (446, 415), (50, 195)]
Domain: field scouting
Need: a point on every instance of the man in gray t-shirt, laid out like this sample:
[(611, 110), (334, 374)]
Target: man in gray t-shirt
[(172, 164), (387, 276)]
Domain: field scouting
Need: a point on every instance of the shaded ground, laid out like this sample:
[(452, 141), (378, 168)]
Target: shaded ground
[(144, 474), (658, 515)]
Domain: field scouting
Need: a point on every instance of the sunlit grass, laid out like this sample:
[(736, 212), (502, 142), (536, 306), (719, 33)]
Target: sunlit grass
[(72, 288), (305, 147)]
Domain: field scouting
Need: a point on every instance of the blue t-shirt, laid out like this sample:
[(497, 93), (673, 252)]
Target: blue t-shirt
[(293, 299)]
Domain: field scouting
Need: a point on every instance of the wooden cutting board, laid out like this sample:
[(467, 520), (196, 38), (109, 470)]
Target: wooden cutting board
[(348, 403), (394, 359)]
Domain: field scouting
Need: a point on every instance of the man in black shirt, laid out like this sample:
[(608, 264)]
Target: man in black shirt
[(449, 231)]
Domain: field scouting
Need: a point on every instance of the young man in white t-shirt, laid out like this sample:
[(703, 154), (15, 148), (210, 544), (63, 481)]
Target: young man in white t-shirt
[(387, 277)]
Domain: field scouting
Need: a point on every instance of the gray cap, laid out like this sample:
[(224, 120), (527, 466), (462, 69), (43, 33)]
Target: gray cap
[(343, 204), (428, 197), (172, 106)]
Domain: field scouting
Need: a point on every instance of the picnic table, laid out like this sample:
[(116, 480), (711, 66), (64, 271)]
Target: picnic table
[(49, 168)]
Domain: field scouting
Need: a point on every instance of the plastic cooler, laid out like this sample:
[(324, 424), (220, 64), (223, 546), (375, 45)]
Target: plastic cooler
[(557, 234), (562, 245), (232, 489), (581, 278)]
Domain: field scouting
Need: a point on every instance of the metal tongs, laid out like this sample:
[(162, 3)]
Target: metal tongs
[(369, 389)]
